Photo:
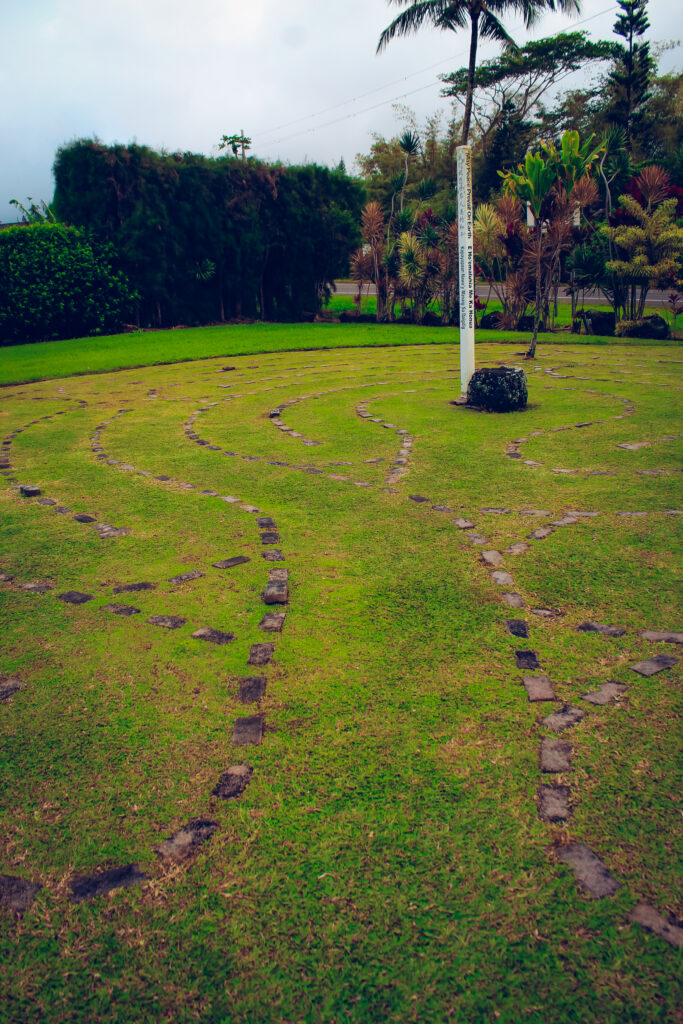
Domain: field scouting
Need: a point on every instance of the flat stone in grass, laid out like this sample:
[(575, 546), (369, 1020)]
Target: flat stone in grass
[(563, 719), (496, 511), (6, 577), (8, 687), (230, 563), (252, 688), (248, 731), (74, 597), (419, 498), (517, 627), (270, 537), (538, 688), (167, 621), (17, 894), (590, 872), (120, 609), (555, 756), (503, 579), (260, 654), (265, 523), (654, 665), (273, 556), (564, 521), (213, 636), (553, 802), (46, 501), (513, 600), (87, 887), (272, 622), (540, 534), (662, 636), (83, 517), (493, 558), (527, 659), (598, 627), (186, 577), (233, 782), (37, 588), (133, 588), (105, 530), (276, 592), (605, 693), (183, 843), (519, 548), (441, 508), (29, 491), (647, 917), (162, 476)]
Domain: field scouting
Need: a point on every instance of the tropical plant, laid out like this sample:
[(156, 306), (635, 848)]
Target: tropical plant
[(483, 18)]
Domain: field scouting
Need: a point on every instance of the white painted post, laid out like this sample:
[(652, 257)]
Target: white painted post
[(466, 257)]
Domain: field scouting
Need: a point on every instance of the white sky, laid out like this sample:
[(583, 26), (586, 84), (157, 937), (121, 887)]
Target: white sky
[(180, 73)]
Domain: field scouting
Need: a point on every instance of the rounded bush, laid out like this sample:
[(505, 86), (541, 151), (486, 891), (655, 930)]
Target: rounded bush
[(498, 389)]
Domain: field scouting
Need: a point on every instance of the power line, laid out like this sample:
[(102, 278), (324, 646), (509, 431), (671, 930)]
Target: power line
[(393, 99)]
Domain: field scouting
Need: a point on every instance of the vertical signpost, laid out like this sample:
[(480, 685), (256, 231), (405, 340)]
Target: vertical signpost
[(466, 260)]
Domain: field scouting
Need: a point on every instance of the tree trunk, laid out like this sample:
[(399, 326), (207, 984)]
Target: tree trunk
[(470, 79), (531, 353)]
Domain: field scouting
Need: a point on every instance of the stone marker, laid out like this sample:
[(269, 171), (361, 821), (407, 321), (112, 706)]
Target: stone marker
[(419, 498), (276, 592), (463, 524), (46, 501), (185, 577), (229, 563), (29, 491), (598, 627), (553, 802), (167, 621), (555, 756), (83, 517), (496, 511), (654, 665), (662, 636), (17, 894), (265, 523), (517, 627), (260, 654), (74, 597), (6, 577), (272, 622), (213, 636), (503, 579), (563, 719), (87, 887), (493, 558), (441, 508), (233, 782), (248, 731), (10, 686), (538, 688), (183, 843), (131, 588), (564, 521), (273, 556), (647, 917), (527, 659), (605, 693), (589, 870), (519, 548), (540, 534), (270, 537), (37, 588), (252, 688), (513, 600), (120, 609)]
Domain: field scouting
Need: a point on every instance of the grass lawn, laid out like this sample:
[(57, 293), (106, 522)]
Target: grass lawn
[(387, 861)]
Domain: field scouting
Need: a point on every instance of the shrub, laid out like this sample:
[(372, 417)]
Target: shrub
[(654, 326), (56, 283), (498, 389)]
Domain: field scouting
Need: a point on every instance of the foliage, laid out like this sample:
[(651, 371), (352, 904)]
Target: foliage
[(498, 389), (628, 81), (276, 237), (55, 282), (236, 143), (35, 213)]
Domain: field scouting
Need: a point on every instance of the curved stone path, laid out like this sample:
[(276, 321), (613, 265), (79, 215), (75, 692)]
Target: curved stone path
[(554, 800)]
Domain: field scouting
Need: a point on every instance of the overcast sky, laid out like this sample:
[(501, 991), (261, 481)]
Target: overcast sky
[(300, 77)]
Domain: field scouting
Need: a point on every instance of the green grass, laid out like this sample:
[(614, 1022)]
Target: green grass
[(387, 862)]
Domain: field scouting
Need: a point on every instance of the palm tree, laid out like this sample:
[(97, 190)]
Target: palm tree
[(484, 19)]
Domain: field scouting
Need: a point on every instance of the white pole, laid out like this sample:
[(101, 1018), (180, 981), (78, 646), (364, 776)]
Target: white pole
[(466, 258)]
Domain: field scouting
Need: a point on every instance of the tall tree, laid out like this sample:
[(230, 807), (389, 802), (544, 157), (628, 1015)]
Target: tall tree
[(483, 17), (633, 69)]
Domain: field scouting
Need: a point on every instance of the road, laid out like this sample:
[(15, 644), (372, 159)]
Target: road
[(653, 298)]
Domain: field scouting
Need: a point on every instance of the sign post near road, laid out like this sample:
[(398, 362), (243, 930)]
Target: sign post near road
[(466, 261)]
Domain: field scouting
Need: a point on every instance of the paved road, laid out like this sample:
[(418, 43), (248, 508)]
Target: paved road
[(653, 299)]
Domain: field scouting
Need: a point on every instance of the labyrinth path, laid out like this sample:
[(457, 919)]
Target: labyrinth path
[(226, 583)]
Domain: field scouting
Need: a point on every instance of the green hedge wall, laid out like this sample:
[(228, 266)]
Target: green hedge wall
[(55, 282), (204, 239)]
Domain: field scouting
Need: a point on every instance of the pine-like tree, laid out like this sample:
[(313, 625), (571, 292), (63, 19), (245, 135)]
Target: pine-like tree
[(629, 79)]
